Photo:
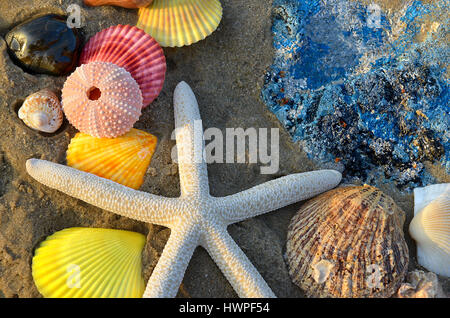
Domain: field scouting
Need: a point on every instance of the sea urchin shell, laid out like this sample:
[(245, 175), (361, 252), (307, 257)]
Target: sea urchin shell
[(102, 100), (348, 242), (42, 111), (135, 51)]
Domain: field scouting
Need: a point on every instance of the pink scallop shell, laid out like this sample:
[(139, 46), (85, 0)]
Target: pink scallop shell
[(102, 100), (135, 51)]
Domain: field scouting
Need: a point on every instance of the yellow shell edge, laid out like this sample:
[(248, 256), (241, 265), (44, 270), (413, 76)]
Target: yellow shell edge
[(89, 262)]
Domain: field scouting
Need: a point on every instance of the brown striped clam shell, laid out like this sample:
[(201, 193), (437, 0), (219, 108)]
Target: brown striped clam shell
[(348, 242)]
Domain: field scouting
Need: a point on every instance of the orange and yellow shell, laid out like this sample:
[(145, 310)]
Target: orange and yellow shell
[(124, 159)]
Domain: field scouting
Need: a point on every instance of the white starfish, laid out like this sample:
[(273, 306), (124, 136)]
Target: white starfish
[(195, 218)]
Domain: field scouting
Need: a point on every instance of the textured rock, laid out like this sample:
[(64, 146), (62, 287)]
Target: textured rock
[(364, 85)]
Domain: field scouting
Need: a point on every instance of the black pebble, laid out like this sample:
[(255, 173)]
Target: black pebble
[(45, 45)]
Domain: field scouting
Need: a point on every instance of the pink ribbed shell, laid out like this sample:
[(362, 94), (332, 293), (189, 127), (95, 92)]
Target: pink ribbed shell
[(109, 115), (135, 51)]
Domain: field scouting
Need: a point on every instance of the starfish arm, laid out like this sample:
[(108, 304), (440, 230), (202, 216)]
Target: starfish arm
[(234, 264), (104, 193), (276, 194), (190, 143), (169, 272)]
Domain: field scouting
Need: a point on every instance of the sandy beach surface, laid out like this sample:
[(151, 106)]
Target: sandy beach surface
[(226, 72)]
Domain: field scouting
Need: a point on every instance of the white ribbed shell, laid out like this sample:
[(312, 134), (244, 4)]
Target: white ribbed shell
[(430, 227), (89, 262)]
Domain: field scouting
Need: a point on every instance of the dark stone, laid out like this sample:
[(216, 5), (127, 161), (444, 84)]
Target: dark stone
[(45, 45)]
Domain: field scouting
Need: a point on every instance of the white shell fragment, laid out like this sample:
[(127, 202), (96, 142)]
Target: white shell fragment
[(430, 227), (420, 284), (42, 111), (195, 218)]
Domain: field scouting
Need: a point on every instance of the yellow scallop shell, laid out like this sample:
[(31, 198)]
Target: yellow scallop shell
[(430, 227), (90, 263), (180, 22), (124, 159)]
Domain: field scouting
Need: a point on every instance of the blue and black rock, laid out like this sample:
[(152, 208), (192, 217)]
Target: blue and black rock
[(350, 93), (45, 45)]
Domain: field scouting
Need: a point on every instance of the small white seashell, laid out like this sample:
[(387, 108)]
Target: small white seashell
[(42, 111), (430, 227)]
